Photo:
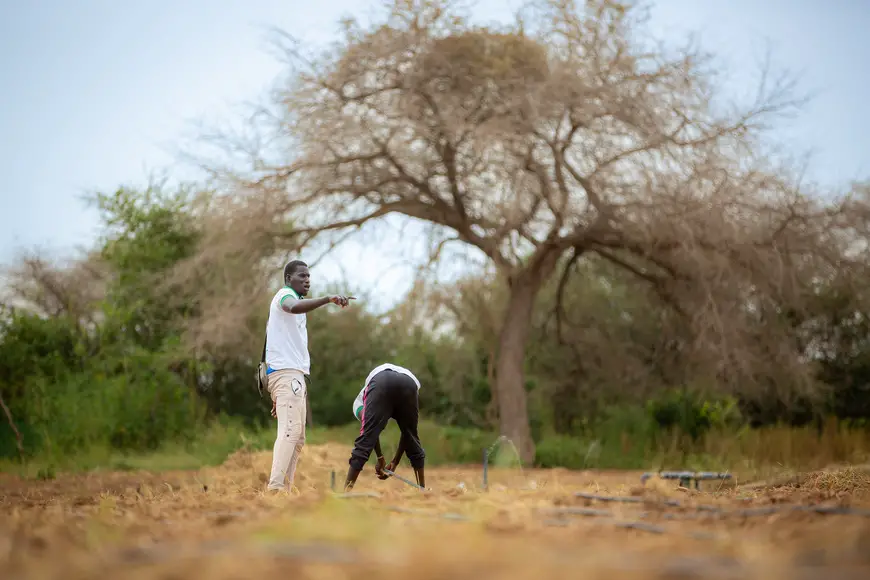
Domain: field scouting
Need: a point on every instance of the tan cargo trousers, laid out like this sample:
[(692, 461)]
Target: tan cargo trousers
[(287, 388)]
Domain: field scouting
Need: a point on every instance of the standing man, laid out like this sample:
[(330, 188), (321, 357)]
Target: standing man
[(287, 364), (390, 391)]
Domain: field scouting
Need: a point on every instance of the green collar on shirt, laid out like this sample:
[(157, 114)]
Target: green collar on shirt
[(295, 295)]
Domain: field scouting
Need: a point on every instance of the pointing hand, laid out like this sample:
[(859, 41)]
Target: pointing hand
[(342, 301)]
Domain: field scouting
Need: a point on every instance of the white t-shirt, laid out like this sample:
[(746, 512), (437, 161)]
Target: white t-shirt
[(286, 335), (358, 402)]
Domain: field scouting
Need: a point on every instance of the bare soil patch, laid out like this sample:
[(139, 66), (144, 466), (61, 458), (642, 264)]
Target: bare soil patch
[(220, 523)]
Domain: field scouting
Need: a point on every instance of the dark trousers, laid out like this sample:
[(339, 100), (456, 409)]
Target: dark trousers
[(389, 395)]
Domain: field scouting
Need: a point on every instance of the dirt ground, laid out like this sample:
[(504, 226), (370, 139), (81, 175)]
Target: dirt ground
[(219, 523)]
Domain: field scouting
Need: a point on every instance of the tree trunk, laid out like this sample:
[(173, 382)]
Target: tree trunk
[(510, 379), (492, 407)]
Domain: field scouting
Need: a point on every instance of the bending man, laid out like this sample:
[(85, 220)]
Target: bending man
[(390, 391)]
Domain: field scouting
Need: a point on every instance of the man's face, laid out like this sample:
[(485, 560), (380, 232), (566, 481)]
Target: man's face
[(300, 281)]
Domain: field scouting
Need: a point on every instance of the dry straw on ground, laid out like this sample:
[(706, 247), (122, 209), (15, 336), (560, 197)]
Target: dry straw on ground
[(219, 523)]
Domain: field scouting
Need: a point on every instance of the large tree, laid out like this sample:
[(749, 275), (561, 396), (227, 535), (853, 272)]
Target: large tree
[(561, 135)]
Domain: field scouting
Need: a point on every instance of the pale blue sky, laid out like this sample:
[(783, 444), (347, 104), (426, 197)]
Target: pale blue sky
[(95, 93)]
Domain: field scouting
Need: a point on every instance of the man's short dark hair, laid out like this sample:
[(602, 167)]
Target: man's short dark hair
[(291, 267)]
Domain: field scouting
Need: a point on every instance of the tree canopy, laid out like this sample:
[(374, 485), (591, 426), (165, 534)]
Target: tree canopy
[(638, 226), (564, 135)]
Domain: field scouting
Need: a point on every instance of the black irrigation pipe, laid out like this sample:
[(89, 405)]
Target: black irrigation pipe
[(654, 529), (625, 524), (686, 477), (160, 553), (447, 516), (749, 512), (771, 510), (634, 525), (354, 494), (616, 498), (640, 526), (578, 511), (629, 499)]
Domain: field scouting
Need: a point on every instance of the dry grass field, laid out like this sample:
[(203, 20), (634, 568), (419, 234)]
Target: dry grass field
[(218, 523)]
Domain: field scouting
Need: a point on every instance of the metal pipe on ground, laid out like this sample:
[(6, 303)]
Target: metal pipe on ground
[(402, 479)]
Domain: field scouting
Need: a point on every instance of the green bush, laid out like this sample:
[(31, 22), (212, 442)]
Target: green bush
[(563, 451), (692, 414), (138, 411), (459, 445)]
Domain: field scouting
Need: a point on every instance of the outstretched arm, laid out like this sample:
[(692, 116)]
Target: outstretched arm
[(308, 304)]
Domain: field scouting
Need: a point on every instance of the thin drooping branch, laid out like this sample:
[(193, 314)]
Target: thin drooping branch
[(559, 308), (381, 211), (19, 441), (658, 283)]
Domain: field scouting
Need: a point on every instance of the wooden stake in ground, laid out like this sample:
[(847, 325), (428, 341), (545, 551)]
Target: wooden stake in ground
[(19, 442)]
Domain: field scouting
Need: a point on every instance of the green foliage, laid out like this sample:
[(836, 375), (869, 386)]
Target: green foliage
[(692, 415), (32, 349), (570, 452), (747, 451), (70, 387), (146, 234), (631, 436), (604, 389), (31, 344), (46, 473), (63, 400)]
